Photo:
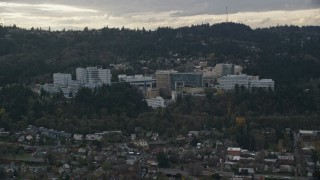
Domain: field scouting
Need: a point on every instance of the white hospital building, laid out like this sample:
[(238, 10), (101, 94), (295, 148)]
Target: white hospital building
[(229, 82)]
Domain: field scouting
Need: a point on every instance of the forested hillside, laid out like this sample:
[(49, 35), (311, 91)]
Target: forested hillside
[(110, 107), (288, 54)]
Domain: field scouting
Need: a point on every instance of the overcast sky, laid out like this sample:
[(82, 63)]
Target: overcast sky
[(77, 14)]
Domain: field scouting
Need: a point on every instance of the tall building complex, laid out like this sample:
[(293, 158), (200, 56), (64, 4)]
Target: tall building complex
[(105, 76), (93, 75), (190, 79), (89, 77), (224, 69), (167, 82), (163, 79), (138, 80), (61, 79), (81, 75)]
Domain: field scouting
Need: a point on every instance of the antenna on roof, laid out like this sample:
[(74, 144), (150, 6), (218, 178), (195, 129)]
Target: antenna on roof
[(227, 18)]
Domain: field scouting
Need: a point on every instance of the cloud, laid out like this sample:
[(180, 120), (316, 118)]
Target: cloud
[(44, 7), (185, 7), (77, 14)]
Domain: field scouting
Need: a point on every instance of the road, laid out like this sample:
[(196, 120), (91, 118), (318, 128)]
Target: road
[(223, 173)]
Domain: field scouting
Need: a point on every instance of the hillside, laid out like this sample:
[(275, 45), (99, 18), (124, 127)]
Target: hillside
[(288, 54)]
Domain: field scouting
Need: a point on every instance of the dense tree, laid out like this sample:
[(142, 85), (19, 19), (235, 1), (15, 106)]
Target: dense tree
[(105, 108), (287, 54), (163, 160)]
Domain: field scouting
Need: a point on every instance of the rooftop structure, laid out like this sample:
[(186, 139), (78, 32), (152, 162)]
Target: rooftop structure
[(234, 151), (143, 83), (138, 80)]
